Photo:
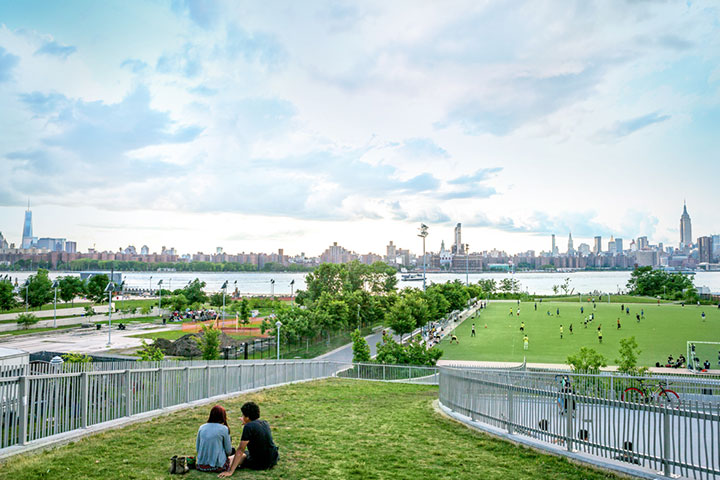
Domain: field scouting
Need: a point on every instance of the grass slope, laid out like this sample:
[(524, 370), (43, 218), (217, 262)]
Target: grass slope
[(327, 429), (664, 330)]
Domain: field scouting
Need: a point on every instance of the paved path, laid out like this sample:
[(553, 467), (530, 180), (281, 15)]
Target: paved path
[(61, 312), (85, 340)]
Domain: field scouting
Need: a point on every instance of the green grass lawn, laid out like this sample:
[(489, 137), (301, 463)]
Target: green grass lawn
[(331, 429), (664, 330), (603, 298)]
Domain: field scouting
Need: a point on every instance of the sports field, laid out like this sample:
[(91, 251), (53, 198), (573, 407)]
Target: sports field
[(664, 330)]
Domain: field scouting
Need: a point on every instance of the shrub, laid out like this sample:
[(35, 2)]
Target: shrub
[(587, 360), (150, 352), (360, 347), (209, 342), (27, 319), (76, 358)]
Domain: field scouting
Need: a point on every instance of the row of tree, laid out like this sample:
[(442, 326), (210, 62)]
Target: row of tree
[(137, 266), (38, 290)]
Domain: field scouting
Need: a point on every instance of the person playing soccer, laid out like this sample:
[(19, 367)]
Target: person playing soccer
[(453, 338), (522, 326), (570, 329), (525, 342), (561, 331), (618, 323), (511, 311), (599, 335), (703, 316), (637, 316), (558, 312), (472, 332)]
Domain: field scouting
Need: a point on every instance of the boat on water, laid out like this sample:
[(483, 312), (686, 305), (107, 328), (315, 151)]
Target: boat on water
[(411, 277)]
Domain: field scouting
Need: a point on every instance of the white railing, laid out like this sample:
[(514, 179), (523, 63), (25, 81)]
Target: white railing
[(594, 415), (33, 407), (389, 373)]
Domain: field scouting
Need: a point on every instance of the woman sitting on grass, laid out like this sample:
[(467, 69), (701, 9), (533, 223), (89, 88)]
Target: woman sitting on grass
[(213, 445)]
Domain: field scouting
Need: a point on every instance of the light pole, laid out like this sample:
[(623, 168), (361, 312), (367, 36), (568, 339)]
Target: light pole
[(467, 264), (272, 288), (55, 286), (292, 288), (150, 283), (27, 287), (236, 290), (278, 324), (109, 289), (423, 233), (160, 304), (224, 289)]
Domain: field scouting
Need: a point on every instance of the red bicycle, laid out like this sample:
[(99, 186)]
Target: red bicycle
[(655, 393)]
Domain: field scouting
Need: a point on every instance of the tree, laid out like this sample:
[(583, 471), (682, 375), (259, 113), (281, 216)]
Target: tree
[(70, 287), (209, 342), (216, 299), (244, 311), (27, 319), (150, 352), (7, 295), (649, 282), (587, 360), (96, 286), (360, 347), (194, 292), (400, 317), (629, 352), (178, 302), (40, 289)]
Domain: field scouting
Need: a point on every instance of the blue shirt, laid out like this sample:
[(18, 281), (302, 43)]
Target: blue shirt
[(213, 444)]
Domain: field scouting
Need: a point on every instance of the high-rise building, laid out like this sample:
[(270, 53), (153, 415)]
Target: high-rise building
[(51, 244), (597, 248), (716, 245), (70, 247), (705, 249), (391, 253), (553, 248), (458, 248), (618, 245), (144, 250), (571, 247), (27, 236), (685, 229), (643, 243), (3, 242), (584, 249), (611, 245)]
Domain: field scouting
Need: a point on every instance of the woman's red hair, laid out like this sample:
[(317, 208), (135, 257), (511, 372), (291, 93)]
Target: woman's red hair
[(218, 415)]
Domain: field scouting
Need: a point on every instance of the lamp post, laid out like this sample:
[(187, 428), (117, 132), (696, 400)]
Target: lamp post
[(26, 285), (160, 304), (423, 233), (224, 289), (109, 289), (235, 292), (150, 283), (272, 288), (467, 264), (278, 324), (55, 286), (292, 288)]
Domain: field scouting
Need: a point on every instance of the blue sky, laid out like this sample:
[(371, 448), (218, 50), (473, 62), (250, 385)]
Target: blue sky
[(263, 125)]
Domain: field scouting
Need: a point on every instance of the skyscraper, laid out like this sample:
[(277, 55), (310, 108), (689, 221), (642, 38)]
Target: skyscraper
[(554, 248), (27, 236), (571, 247), (685, 229), (597, 248), (458, 248), (618, 245), (705, 249)]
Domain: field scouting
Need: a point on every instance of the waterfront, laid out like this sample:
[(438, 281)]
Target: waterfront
[(540, 283)]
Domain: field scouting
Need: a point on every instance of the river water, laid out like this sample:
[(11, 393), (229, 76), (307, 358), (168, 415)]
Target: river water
[(259, 283)]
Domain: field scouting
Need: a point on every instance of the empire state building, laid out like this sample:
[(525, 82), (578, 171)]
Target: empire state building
[(685, 229)]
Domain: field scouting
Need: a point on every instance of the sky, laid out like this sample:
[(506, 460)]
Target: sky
[(254, 126)]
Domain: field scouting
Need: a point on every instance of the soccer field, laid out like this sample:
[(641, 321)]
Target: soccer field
[(664, 330)]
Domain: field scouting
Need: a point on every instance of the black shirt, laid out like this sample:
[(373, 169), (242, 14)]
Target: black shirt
[(260, 443)]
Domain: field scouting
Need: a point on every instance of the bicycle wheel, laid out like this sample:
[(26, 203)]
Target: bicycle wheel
[(633, 395), (668, 397)]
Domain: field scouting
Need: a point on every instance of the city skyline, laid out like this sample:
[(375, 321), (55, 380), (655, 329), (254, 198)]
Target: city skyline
[(257, 127)]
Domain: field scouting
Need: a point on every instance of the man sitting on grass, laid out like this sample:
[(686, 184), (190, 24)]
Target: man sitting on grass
[(261, 453)]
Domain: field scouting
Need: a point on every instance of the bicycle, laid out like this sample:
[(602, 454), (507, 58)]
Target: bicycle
[(654, 393)]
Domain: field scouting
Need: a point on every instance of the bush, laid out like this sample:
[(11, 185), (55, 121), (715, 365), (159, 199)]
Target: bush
[(629, 352), (76, 358), (414, 353), (209, 342), (89, 311), (26, 319), (360, 347), (150, 352), (587, 360)]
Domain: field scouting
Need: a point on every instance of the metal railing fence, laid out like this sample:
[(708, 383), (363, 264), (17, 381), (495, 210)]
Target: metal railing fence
[(582, 413), (38, 406), (390, 373)]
